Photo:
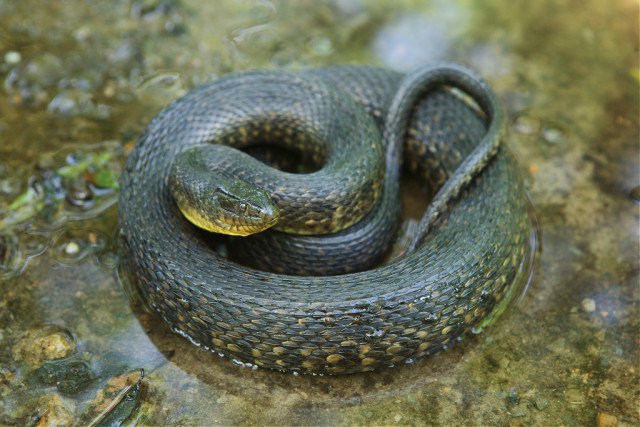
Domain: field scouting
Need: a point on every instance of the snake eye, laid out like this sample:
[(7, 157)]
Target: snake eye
[(243, 207)]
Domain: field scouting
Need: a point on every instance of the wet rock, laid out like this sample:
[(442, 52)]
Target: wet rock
[(70, 375), (75, 102), (604, 419), (541, 403), (116, 401), (7, 383), (7, 375), (522, 411), (49, 410), (40, 345)]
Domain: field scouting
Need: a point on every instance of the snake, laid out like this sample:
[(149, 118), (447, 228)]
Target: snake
[(441, 122)]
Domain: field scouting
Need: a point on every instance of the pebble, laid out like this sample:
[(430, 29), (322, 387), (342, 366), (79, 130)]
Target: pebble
[(521, 411), (73, 102), (38, 346), (526, 125), (69, 375), (513, 398), (552, 135), (541, 403), (71, 248), (397, 418), (12, 57), (604, 419), (52, 410), (115, 402), (588, 305)]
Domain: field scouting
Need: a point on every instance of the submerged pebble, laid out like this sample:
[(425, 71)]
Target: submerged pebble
[(70, 375), (71, 248), (588, 305), (521, 410), (513, 398), (115, 403), (49, 410), (73, 102), (604, 419), (76, 245), (541, 403), (552, 134), (12, 57), (526, 125), (40, 345)]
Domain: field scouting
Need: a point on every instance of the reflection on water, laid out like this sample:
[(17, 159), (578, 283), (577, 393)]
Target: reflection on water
[(83, 74)]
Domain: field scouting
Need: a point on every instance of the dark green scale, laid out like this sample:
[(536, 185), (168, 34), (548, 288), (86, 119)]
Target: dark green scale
[(472, 242)]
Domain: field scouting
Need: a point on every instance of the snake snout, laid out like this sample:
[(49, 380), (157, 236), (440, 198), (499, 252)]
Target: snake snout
[(259, 212), (244, 209)]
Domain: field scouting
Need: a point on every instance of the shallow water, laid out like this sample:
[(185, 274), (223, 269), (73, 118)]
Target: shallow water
[(80, 82)]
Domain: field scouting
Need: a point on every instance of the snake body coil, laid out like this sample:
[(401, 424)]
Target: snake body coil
[(472, 241)]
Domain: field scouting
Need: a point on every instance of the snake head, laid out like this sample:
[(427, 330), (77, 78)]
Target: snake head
[(242, 208), (217, 202)]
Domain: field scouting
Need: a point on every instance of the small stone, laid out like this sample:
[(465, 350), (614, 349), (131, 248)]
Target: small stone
[(115, 402), (541, 403), (38, 346), (12, 57), (321, 46), (52, 410), (526, 125), (69, 375), (71, 248), (604, 419), (552, 135), (397, 418), (513, 398), (588, 305), (63, 105), (521, 411)]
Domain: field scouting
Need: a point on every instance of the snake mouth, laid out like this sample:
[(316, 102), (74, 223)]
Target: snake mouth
[(260, 219)]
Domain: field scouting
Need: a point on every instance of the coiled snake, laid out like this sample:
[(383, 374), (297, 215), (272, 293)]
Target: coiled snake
[(471, 243)]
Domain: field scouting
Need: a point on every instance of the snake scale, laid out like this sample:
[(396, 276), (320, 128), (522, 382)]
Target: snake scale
[(471, 244)]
